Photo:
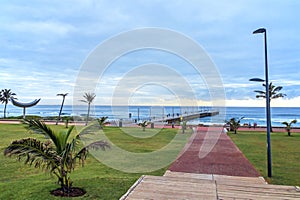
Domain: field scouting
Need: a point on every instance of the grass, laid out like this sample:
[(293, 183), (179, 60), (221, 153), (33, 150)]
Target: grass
[(285, 154), (18, 181)]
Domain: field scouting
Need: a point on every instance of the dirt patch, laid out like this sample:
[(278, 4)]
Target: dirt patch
[(74, 192)]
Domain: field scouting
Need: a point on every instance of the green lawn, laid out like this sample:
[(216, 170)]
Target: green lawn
[(18, 181), (285, 154)]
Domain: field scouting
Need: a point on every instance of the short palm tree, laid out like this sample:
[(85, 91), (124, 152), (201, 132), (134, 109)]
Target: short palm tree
[(67, 119), (61, 107), (101, 121), (88, 98), (143, 124), (57, 155), (234, 124), (289, 126), (5, 96)]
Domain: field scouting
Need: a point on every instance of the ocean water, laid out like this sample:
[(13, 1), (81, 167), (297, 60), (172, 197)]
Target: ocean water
[(136, 113)]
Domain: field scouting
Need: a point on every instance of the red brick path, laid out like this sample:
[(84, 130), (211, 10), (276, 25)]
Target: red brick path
[(223, 158)]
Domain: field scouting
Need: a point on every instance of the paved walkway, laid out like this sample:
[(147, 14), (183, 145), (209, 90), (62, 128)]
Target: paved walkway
[(210, 152)]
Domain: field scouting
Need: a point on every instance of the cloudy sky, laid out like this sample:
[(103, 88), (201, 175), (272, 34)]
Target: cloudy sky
[(45, 44)]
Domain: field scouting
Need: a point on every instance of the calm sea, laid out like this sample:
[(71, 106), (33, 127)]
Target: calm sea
[(250, 114)]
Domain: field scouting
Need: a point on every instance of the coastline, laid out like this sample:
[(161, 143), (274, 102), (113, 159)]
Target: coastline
[(199, 128)]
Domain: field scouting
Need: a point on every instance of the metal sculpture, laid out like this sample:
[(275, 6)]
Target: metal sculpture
[(25, 105)]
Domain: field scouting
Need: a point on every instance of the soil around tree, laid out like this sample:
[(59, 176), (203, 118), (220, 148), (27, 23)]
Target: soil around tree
[(74, 192)]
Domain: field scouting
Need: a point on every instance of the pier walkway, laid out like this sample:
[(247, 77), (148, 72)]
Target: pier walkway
[(188, 116)]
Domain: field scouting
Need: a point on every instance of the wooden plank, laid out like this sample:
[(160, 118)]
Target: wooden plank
[(238, 179), (152, 187), (189, 175), (257, 192)]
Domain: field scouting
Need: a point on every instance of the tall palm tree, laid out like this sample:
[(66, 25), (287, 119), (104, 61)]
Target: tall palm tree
[(88, 98), (62, 104), (274, 93), (289, 126), (57, 155), (5, 97)]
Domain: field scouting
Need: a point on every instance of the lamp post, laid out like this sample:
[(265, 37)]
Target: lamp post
[(268, 117)]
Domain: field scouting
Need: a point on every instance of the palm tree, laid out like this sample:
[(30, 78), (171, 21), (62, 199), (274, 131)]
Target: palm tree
[(289, 126), (62, 104), (274, 93), (5, 97), (143, 124), (88, 98), (67, 119), (234, 124), (101, 122), (58, 154)]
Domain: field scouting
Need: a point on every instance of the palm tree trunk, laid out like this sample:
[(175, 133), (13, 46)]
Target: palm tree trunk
[(62, 104), (289, 131), (4, 112), (88, 114)]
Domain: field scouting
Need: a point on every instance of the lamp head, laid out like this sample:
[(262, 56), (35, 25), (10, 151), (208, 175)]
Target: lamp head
[(257, 80), (260, 30)]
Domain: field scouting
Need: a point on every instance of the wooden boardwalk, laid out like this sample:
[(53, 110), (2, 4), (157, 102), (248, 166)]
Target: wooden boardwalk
[(179, 185)]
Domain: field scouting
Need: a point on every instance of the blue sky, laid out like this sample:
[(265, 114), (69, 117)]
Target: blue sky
[(44, 44)]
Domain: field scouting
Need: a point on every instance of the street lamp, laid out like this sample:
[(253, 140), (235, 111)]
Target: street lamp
[(268, 116)]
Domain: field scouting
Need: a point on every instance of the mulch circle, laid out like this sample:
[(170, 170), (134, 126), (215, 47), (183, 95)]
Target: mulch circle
[(75, 192)]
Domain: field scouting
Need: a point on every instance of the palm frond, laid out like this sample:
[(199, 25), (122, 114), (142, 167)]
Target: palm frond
[(82, 154), (279, 95), (98, 145), (62, 139), (240, 120), (101, 121), (67, 155), (59, 139), (35, 152), (260, 92), (277, 89), (260, 96), (285, 123), (40, 127)]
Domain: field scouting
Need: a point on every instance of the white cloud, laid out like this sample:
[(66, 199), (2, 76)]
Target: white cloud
[(292, 102), (41, 27)]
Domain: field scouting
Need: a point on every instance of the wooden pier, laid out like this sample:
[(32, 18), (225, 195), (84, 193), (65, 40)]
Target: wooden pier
[(187, 117)]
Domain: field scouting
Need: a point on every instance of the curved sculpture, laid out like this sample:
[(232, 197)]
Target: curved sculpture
[(24, 105)]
